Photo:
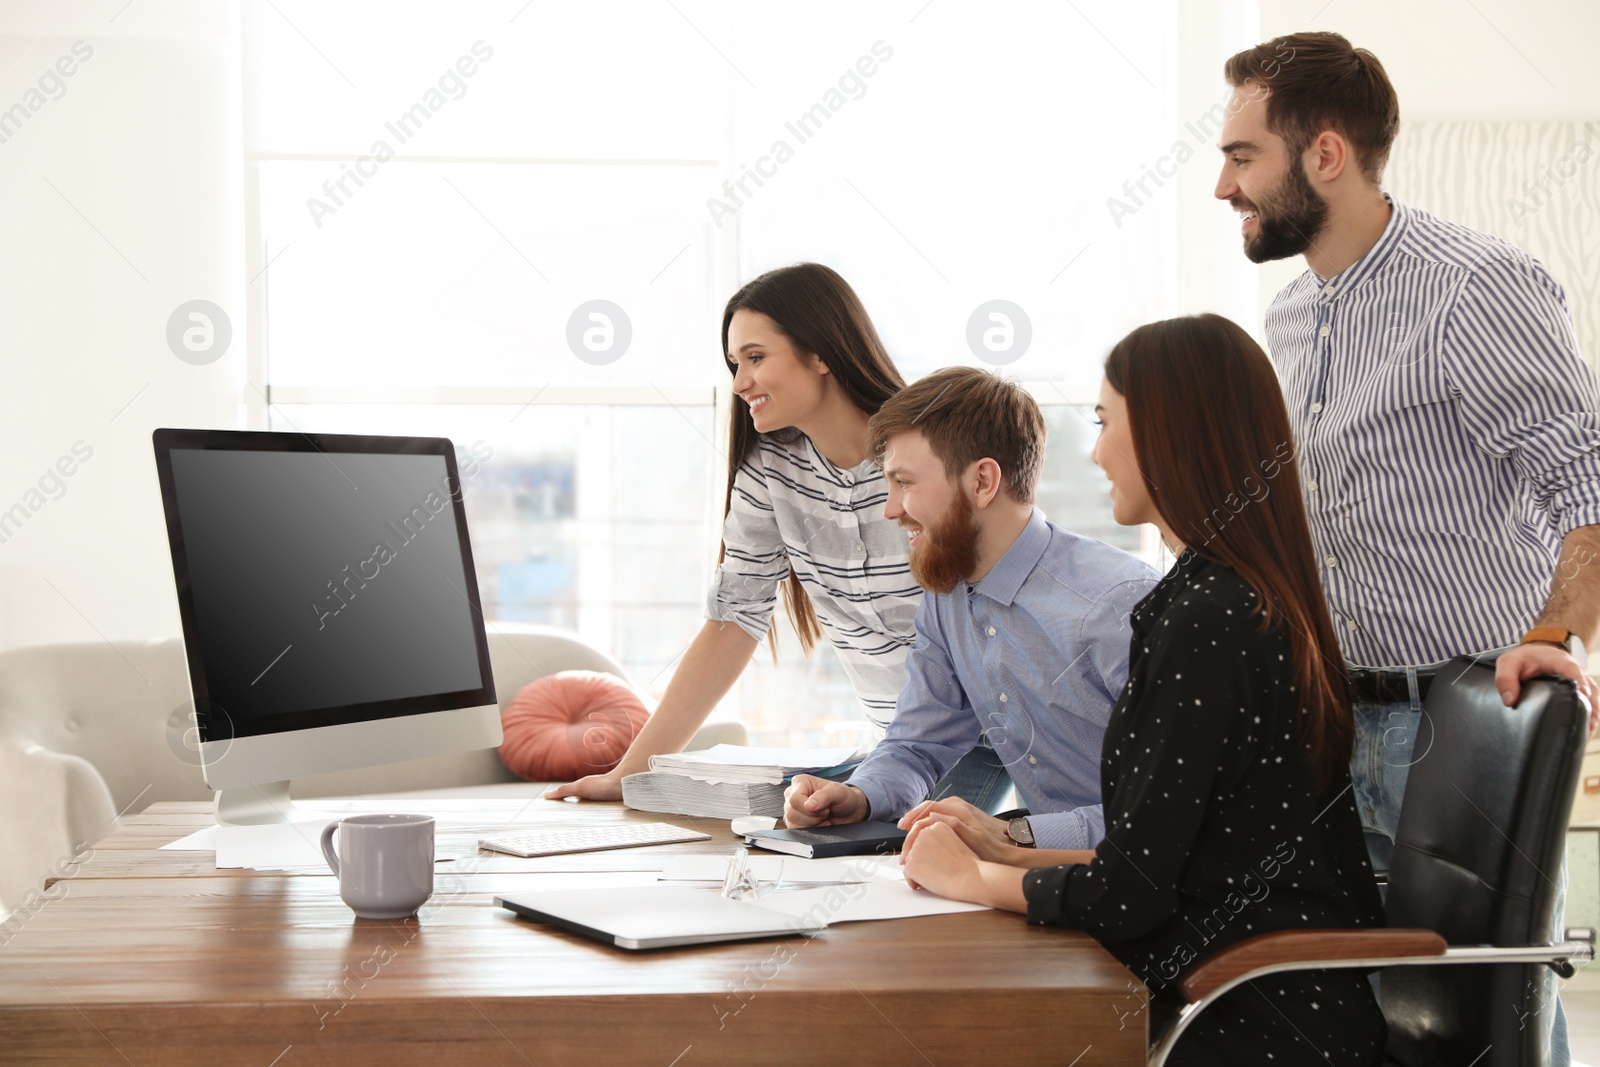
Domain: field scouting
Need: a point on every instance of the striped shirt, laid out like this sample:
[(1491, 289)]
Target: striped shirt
[(791, 507), (1448, 435), (1032, 659)]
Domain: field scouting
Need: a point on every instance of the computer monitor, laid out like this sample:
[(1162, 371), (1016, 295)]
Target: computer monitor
[(329, 605)]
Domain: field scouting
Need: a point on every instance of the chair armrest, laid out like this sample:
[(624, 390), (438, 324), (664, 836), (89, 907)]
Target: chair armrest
[(1304, 950), (1289, 946), (53, 806)]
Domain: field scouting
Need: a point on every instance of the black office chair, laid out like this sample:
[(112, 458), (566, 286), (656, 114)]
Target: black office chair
[(1477, 861)]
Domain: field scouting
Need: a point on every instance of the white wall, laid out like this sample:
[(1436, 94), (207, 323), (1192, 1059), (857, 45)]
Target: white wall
[(145, 147)]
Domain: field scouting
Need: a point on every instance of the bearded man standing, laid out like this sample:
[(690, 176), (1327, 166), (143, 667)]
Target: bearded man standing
[(1022, 639), (1448, 431), (1447, 428)]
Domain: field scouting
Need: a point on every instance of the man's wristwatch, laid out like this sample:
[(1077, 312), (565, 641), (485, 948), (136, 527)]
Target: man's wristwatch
[(1555, 635), (1020, 832)]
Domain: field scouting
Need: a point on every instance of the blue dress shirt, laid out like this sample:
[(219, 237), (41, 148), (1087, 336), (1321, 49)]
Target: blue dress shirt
[(1032, 658)]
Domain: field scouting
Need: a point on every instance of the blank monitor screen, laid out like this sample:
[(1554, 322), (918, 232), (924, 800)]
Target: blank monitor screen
[(323, 579)]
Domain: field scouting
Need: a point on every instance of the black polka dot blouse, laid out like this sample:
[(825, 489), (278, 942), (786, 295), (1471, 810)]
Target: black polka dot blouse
[(1216, 832)]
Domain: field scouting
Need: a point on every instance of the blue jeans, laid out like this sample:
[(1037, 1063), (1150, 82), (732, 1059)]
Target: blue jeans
[(980, 778), (1386, 739)]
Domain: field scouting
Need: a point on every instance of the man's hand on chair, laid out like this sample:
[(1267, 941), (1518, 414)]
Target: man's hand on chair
[(1539, 658)]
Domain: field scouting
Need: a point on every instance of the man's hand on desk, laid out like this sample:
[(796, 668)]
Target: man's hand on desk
[(812, 801), (594, 787), (981, 832)]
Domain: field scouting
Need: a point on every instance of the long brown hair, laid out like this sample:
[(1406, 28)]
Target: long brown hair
[(821, 315), (1212, 439)]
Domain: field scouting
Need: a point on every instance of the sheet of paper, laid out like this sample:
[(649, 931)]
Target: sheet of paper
[(325, 810), (870, 866), (879, 898), (787, 870), (273, 847), (241, 845), (202, 840)]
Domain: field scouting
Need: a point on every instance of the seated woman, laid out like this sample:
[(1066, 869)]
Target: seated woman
[(1225, 772)]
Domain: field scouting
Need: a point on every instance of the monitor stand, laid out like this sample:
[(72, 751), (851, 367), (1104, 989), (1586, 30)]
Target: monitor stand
[(261, 805)]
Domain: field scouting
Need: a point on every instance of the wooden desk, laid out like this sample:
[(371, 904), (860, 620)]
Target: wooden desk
[(151, 957)]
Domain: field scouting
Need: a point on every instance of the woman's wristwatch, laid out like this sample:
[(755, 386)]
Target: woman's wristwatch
[(1020, 832)]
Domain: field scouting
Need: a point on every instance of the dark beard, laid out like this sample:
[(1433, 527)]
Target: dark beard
[(948, 550), (1289, 220)]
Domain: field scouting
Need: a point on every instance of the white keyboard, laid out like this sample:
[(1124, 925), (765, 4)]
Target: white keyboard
[(558, 840)]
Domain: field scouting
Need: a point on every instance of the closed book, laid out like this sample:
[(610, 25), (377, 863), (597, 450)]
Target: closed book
[(820, 842)]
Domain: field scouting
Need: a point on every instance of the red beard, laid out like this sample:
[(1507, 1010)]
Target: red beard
[(948, 550)]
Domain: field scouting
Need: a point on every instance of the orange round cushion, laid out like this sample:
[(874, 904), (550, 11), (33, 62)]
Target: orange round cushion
[(566, 725)]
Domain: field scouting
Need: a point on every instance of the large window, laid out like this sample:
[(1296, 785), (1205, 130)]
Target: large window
[(515, 225)]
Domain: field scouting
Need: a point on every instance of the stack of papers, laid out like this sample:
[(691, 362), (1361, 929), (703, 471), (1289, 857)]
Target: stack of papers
[(667, 793), (728, 781), (743, 763)]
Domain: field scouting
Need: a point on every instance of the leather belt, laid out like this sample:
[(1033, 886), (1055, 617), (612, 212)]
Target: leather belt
[(1385, 687)]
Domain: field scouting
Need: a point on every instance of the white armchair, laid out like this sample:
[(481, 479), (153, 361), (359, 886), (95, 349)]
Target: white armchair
[(54, 807), (88, 731)]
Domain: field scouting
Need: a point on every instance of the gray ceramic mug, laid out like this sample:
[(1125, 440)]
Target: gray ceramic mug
[(384, 863)]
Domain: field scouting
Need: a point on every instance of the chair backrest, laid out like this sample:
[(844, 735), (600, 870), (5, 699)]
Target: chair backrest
[(1478, 858), (119, 706)]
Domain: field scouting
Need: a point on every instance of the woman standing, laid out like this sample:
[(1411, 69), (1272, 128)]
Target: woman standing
[(803, 511), (1225, 772)]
